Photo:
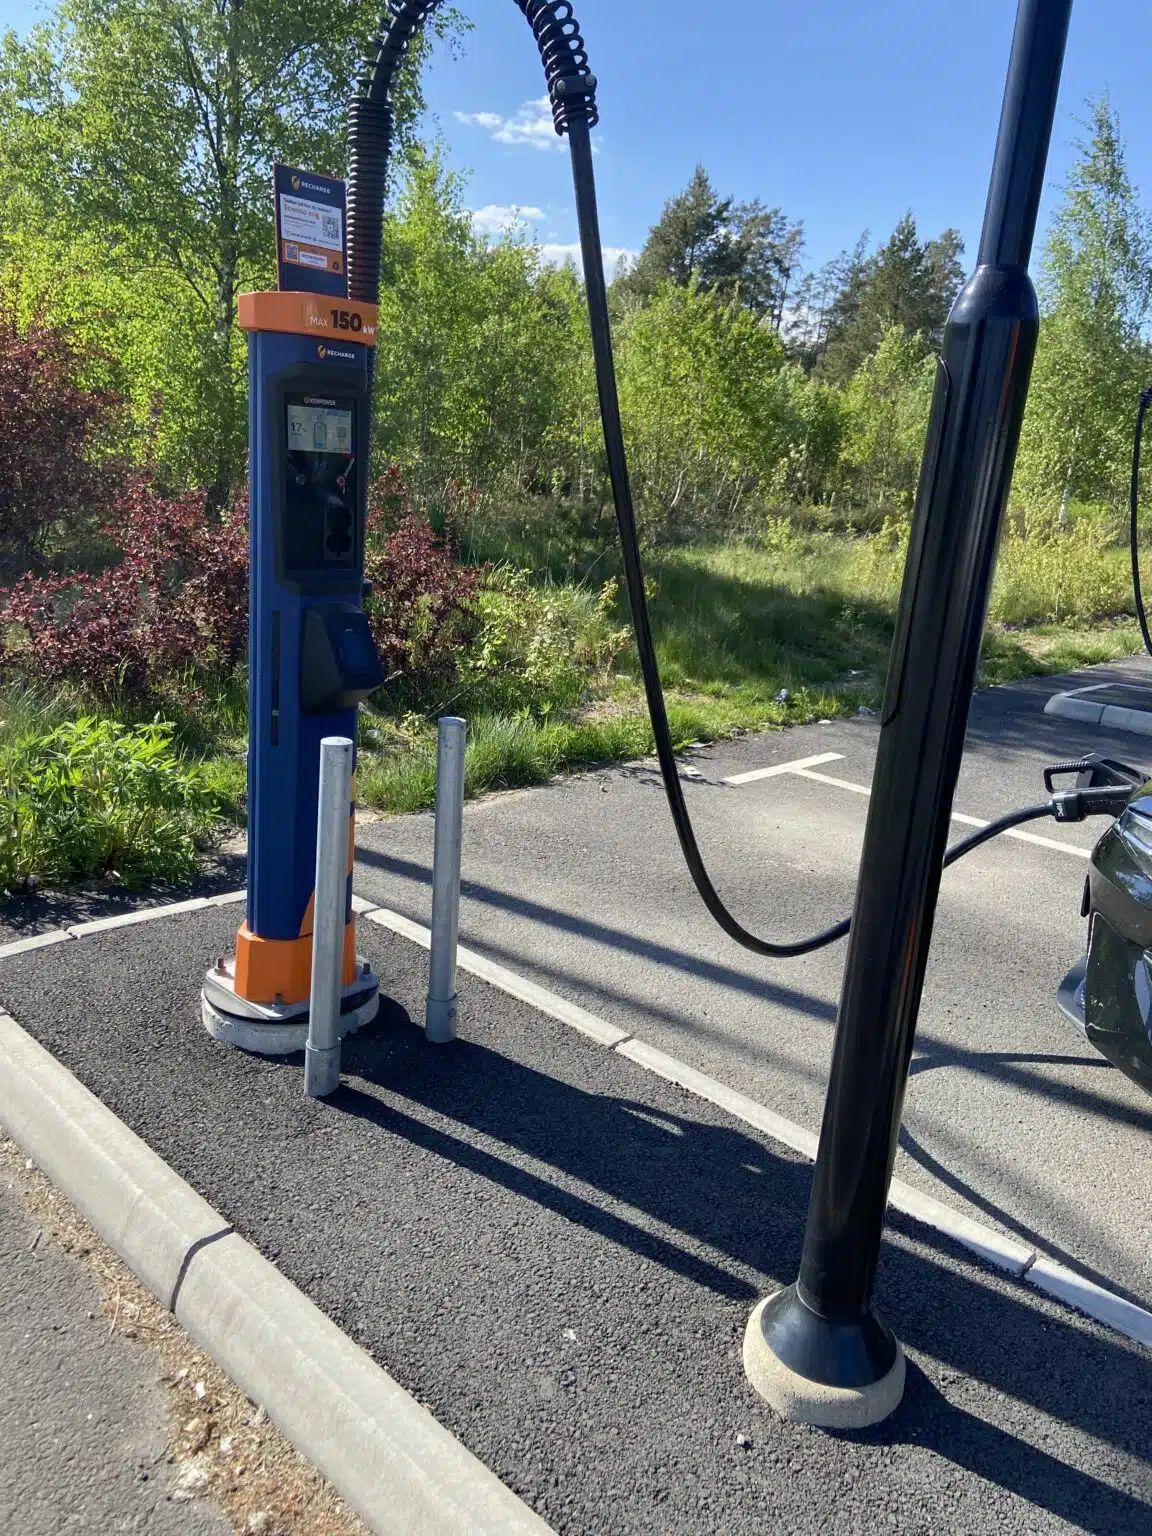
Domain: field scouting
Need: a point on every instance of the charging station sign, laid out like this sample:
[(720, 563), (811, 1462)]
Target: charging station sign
[(311, 232)]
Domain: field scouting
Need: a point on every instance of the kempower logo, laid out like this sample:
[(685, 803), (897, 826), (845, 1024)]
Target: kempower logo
[(317, 400)]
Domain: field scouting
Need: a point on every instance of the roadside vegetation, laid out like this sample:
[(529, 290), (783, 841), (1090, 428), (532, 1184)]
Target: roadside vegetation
[(775, 418)]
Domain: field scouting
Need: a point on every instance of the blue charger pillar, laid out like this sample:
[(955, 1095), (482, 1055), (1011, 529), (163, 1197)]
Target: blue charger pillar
[(311, 654)]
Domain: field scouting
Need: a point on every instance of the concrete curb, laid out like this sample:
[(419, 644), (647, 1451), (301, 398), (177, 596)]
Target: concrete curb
[(1077, 704), (404, 1473), (133, 1199)]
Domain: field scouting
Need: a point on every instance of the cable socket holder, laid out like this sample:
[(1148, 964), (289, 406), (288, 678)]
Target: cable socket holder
[(572, 95)]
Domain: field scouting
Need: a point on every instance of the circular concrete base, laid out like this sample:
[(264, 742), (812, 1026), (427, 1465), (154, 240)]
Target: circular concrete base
[(801, 1401), (270, 1038)]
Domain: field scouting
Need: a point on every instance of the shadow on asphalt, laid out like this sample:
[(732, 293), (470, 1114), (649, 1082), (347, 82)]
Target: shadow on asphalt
[(613, 938), (1002, 1066), (1012, 718), (722, 1189), (1011, 1223)]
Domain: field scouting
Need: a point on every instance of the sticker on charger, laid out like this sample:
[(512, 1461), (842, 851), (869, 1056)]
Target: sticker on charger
[(311, 229), (311, 223)]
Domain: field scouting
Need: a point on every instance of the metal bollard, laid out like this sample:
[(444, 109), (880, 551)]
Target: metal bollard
[(440, 1012), (329, 913)]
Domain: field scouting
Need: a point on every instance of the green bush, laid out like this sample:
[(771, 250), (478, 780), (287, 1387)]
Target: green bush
[(93, 797), (538, 648), (1056, 574)]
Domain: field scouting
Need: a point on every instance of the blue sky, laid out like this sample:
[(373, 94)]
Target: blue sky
[(843, 114)]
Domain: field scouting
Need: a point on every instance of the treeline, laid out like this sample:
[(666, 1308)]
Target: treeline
[(135, 147)]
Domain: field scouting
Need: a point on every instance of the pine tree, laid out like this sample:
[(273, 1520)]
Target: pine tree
[(742, 252), (681, 244), (908, 283)]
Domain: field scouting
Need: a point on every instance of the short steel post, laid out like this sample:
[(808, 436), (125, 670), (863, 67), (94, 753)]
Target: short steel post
[(329, 913), (440, 1013), (818, 1351)]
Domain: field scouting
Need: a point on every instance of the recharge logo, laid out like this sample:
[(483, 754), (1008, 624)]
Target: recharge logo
[(335, 354)]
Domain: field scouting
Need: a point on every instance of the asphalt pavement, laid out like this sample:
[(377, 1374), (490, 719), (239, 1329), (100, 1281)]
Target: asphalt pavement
[(557, 1252), (83, 1418), (1010, 1115)]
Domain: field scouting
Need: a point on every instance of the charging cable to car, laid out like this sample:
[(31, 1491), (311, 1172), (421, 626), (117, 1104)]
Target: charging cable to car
[(572, 91)]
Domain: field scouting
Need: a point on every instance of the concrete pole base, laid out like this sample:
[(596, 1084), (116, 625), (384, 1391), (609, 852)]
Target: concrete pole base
[(321, 1070), (440, 1020), (801, 1401)]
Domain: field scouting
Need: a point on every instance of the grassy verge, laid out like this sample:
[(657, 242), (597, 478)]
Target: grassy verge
[(793, 629), (750, 638)]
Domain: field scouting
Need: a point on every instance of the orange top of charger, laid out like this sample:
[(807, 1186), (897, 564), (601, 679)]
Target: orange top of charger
[(308, 314)]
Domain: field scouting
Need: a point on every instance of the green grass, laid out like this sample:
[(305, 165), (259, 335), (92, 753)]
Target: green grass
[(91, 798), (761, 636)]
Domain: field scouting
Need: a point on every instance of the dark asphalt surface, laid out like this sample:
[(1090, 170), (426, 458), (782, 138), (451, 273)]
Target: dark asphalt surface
[(82, 1415), (557, 1252), (1009, 1114)]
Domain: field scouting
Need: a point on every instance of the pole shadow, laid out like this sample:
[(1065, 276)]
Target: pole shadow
[(719, 1208)]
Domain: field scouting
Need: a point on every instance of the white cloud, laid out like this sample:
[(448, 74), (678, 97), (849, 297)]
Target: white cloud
[(557, 255), (496, 219), (519, 218), (532, 125)]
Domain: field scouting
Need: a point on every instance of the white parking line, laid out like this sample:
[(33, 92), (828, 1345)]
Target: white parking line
[(777, 769), (967, 821)]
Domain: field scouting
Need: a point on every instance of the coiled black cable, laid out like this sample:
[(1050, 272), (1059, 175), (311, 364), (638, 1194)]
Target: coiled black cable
[(572, 91), (1134, 514)]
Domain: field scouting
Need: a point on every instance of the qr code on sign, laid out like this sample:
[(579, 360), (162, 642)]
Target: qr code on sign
[(291, 252), (330, 224)]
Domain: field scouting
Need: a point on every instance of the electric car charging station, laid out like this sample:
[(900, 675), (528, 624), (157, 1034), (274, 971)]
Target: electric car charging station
[(817, 1351), (533, 1080), (312, 657)]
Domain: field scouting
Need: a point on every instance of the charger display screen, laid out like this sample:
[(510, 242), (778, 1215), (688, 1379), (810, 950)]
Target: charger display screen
[(320, 484), (319, 429)]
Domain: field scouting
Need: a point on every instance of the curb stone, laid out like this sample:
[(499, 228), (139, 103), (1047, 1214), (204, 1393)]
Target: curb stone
[(403, 1472)]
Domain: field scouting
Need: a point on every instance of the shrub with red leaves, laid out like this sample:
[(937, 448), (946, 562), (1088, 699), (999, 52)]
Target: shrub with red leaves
[(172, 608), (421, 609), (49, 477), (175, 603)]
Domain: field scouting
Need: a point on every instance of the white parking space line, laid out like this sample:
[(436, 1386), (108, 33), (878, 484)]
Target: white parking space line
[(777, 769), (826, 778), (803, 770)]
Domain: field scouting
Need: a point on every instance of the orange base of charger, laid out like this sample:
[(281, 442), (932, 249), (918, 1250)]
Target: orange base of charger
[(280, 970)]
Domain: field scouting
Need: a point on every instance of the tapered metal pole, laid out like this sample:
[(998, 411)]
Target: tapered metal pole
[(817, 1350), (440, 1013), (329, 910)]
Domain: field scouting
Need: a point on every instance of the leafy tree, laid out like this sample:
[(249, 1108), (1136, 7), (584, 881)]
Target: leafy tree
[(742, 251), (481, 348), (705, 400), (886, 406), (151, 131), (1092, 360), (809, 469), (51, 478)]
